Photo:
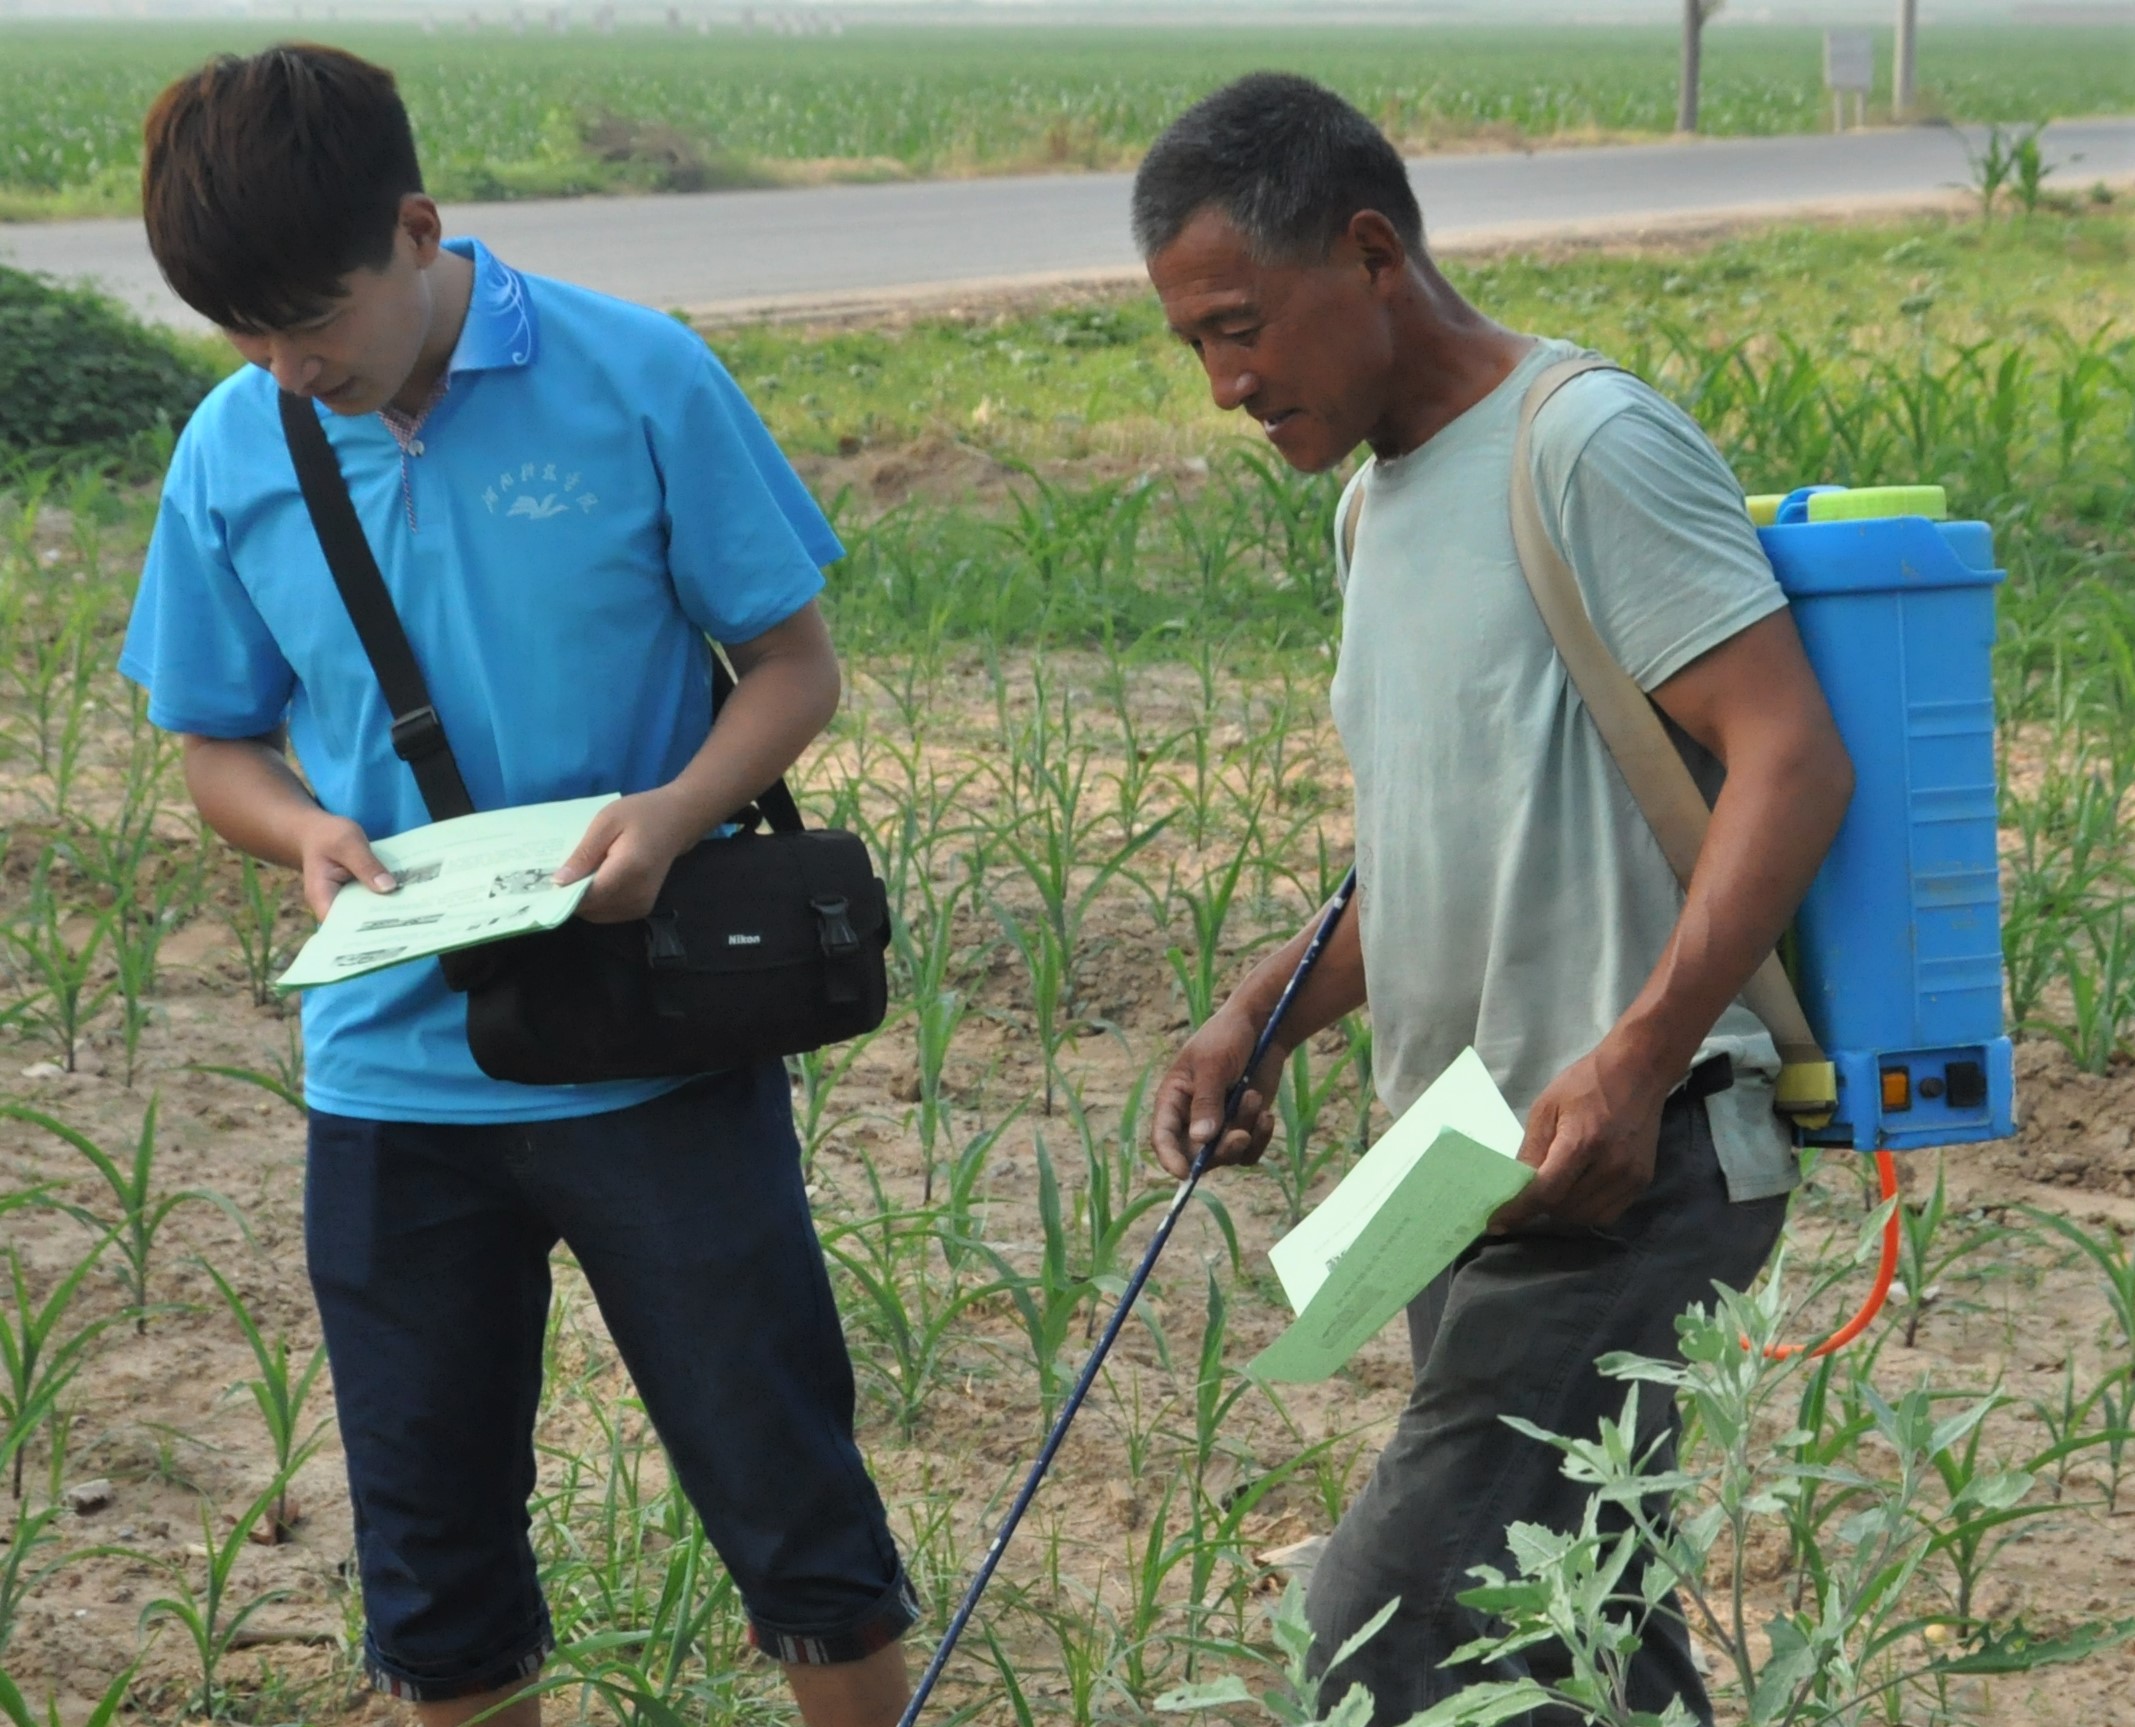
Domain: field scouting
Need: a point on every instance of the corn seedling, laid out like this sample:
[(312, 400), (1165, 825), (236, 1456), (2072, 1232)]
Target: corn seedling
[(2101, 986), (1217, 1390), (253, 923), (59, 950), (2114, 1262), (37, 1359), (53, 671), (285, 1084), (279, 1396), (1105, 1209), (1201, 971), (1047, 1303), (1054, 844), (816, 1076), (1932, 1245), (1005, 1670), (1138, 1429), (26, 1535), (103, 1713), (1301, 1157), (2065, 866), (1833, 1421), (142, 1213), (926, 954), (1982, 1498), (1211, 539), (1045, 965), (1087, 1636), (1144, 1646), (1997, 164), (1073, 539), (1293, 517), (914, 1320), (211, 1616)]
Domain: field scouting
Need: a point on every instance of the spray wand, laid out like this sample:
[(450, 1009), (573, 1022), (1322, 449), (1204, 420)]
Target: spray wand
[(1309, 959)]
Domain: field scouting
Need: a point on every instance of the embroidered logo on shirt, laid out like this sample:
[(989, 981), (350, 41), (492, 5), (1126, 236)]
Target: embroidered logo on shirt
[(520, 486)]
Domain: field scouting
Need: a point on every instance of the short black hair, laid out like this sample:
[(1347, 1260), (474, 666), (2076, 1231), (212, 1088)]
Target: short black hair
[(266, 180), (1288, 161)]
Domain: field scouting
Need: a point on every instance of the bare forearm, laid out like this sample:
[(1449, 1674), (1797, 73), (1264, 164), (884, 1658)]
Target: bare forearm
[(1335, 988), (777, 708), (1774, 821), (247, 792), (1193, 1098)]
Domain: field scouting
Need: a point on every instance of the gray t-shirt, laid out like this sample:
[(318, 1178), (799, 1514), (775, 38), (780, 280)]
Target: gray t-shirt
[(1513, 895)]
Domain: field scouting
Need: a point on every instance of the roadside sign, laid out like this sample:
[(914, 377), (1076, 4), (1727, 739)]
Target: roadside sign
[(1849, 70), (1849, 60)]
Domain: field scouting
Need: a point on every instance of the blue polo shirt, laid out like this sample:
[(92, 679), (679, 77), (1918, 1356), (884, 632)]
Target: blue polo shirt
[(590, 499)]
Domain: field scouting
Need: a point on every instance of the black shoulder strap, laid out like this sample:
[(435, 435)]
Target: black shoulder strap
[(418, 735)]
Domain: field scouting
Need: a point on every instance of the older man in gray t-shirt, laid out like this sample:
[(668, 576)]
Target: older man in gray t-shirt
[(1511, 895), (1476, 773)]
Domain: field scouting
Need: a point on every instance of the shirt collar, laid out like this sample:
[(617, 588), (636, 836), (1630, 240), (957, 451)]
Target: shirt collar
[(499, 330)]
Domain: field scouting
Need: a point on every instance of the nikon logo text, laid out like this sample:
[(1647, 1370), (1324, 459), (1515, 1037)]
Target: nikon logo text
[(745, 941)]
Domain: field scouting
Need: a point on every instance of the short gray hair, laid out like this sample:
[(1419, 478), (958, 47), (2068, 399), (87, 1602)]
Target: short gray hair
[(1287, 161)]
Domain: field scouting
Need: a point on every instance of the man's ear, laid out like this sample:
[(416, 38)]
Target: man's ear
[(1378, 247), (423, 225)]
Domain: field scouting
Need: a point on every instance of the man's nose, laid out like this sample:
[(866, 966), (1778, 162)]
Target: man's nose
[(1231, 386)]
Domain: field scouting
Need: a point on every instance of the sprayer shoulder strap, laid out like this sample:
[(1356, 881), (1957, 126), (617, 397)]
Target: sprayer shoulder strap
[(1351, 517), (1631, 727)]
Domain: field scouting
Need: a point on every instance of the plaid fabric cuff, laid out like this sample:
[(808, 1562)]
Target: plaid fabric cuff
[(889, 1619)]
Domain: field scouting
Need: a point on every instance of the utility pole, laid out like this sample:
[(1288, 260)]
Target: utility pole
[(1901, 72), (1695, 12)]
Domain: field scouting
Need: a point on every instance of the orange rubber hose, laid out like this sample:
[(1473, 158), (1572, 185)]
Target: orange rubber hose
[(1886, 1274)]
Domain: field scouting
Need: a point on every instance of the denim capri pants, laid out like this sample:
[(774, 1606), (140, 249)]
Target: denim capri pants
[(429, 1252)]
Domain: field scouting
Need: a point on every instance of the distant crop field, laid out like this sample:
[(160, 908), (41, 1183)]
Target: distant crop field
[(502, 115)]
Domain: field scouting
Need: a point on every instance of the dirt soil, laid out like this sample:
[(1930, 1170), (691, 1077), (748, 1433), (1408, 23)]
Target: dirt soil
[(155, 1414)]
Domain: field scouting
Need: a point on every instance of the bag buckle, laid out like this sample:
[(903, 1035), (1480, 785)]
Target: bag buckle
[(664, 948), (418, 734), (834, 928)]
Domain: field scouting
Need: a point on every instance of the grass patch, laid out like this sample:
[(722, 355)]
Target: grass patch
[(1104, 378)]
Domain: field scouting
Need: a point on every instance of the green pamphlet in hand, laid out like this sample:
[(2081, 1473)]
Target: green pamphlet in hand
[(466, 881), (1417, 1198)]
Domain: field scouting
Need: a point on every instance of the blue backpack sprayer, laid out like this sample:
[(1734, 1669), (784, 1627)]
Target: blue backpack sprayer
[(1895, 954)]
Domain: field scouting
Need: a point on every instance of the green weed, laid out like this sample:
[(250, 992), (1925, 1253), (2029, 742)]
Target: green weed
[(142, 1211)]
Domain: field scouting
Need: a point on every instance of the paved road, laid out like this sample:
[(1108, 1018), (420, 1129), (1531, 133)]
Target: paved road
[(733, 250)]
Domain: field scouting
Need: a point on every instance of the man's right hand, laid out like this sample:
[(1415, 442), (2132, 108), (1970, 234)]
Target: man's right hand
[(1189, 1098), (334, 852)]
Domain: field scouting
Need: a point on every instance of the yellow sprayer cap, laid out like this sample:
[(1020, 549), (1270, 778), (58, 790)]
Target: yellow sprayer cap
[(1867, 503), (1764, 508)]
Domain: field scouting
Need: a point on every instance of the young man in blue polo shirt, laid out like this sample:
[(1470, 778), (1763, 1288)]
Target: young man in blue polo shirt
[(566, 496)]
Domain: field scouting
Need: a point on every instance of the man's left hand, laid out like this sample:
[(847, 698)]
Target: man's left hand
[(1591, 1141), (627, 851)]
